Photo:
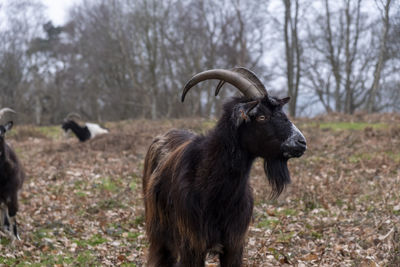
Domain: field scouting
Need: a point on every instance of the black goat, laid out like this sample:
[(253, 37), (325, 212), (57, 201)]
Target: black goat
[(196, 188), (12, 177), (89, 131)]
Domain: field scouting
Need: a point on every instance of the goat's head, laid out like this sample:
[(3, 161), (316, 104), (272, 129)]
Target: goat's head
[(5, 127), (263, 128), (66, 126), (68, 121)]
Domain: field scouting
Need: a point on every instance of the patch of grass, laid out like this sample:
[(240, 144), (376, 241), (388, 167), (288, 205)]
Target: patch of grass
[(285, 237), (86, 259), (361, 156), (96, 240), (133, 185), (288, 212), (395, 156), (133, 236), (24, 132), (79, 184), (316, 235), (41, 233), (339, 126), (52, 132), (139, 220), (47, 259), (268, 223), (7, 261), (339, 202), (110, 203), (80, 194), (108, 184), (4, 242), (311, 204)]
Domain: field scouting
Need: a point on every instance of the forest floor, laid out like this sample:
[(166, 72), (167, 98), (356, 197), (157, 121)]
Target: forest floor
[(81, 204)]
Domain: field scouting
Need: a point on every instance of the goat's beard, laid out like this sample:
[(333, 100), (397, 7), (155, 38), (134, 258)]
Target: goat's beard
[(278, 175)]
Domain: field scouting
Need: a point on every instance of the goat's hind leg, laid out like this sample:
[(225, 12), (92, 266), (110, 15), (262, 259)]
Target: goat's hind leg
[(191, 258)]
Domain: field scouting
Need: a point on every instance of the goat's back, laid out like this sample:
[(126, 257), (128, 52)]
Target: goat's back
[(164, 148)]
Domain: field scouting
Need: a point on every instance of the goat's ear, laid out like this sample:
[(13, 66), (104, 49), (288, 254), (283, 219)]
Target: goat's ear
[(284, 101), (8, 125), (243, 111)]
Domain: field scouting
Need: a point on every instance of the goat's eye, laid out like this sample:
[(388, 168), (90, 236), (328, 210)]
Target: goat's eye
[(261, 118)]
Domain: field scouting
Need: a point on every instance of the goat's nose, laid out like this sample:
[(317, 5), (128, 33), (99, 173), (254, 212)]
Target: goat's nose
[(301, 142)]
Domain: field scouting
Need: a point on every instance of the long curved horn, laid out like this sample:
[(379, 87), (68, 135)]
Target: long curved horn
[(72, 114), (4, 110), (249, 85), (247, 74)]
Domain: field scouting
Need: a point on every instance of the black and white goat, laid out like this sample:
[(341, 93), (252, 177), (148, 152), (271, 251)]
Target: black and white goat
[(12, 177), (83, 133)]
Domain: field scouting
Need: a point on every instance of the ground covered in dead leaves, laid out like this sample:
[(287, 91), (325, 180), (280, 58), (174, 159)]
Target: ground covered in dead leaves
[(82, 205)]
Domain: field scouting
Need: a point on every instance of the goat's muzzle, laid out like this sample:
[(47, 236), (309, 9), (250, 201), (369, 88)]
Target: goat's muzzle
[(295, 145)]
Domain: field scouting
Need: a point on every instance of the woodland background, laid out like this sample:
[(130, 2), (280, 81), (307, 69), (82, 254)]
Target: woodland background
[(124, 59), (124, 63)]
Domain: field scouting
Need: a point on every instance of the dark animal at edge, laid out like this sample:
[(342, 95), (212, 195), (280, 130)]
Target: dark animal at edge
[(196, 187), (12, 177)]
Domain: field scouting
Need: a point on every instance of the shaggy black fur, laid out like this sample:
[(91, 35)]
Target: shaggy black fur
[(82, 133), (12, 177), (196, 188)]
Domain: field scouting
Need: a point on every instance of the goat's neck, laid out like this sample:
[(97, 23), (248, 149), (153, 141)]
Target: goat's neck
[(2, 154), (228, 163)]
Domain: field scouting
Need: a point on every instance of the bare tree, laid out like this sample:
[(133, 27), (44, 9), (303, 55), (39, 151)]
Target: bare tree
[(382, 55), (292, 51)]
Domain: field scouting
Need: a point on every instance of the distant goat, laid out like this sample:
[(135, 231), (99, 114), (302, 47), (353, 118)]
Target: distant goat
[(11, 178), (89, 131), (196, 188)]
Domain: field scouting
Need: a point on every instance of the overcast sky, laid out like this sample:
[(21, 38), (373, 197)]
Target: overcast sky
[(57, 10)]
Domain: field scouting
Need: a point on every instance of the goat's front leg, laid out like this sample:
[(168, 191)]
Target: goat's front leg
[(4, 222), (231, 257), (12, 216)]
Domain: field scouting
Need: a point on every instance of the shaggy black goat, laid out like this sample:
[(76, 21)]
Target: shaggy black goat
[(89, 131), (11, 178), (196, 188)]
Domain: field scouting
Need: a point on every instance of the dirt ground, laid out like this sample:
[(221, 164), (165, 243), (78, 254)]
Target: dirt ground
[(81, 204)]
